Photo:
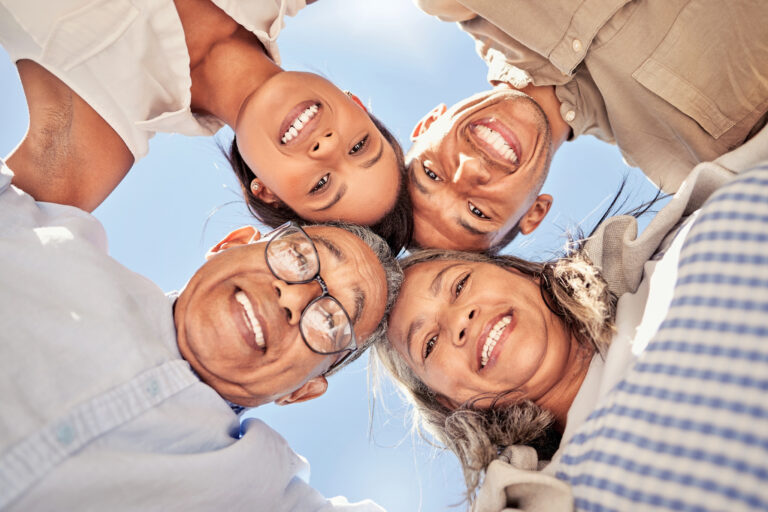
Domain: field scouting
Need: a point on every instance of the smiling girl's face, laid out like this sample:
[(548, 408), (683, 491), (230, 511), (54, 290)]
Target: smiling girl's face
[(316, 150), (469, 329)]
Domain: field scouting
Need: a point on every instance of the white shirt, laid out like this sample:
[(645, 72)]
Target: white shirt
[(128, 58), (98, 411)]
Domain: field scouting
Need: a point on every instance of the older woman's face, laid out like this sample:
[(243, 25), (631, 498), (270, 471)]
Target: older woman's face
[(469, 329)]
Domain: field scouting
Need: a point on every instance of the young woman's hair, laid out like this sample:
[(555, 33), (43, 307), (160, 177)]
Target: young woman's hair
[(573, 289), (395, 227)]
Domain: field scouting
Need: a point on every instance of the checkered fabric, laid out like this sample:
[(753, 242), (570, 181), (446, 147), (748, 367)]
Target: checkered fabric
[(687, 429)]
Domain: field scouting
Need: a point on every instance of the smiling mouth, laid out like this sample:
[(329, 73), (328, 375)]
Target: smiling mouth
[(492, 338), (251, 320), (297, 121), (497, 140)]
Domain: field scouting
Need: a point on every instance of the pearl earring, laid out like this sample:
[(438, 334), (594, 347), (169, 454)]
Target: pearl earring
[(254, 186)]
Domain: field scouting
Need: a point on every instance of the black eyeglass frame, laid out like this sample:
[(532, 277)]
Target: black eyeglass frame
[(352, 347)]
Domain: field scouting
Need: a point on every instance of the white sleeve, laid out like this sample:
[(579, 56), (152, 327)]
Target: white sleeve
[(286, 473)]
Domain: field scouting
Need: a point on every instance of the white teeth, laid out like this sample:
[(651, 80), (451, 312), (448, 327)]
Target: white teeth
[(250, 318), (493, 337), (299, 123), (498, 143)]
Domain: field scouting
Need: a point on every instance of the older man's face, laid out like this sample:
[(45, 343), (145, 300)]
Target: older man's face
[(476, 169), (217, 311)]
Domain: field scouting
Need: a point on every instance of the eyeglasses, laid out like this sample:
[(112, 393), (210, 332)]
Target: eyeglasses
[(324, 325)]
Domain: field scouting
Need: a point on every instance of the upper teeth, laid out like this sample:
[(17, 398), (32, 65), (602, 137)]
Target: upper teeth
[(299, 123), (492, 338), (250, 318), (494, 139)]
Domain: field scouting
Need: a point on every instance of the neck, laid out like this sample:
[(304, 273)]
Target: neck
[(227, 62), (547, 99), (232, 71), (559, 398)]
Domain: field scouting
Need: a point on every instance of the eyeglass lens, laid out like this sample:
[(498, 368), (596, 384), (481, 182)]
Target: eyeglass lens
[(324, 323), (292, 257)]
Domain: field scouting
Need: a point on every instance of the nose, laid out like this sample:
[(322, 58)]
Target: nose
[(325, 144), (294, 298), (470, 172), (461, 318)]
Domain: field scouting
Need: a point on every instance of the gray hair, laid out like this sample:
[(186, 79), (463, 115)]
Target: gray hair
[(394, 277), (574, 290)]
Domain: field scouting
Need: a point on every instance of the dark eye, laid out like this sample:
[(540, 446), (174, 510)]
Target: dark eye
[(460, 285), (431, 174), (320, 184), (477, 212), (430, 345), (359, 146)]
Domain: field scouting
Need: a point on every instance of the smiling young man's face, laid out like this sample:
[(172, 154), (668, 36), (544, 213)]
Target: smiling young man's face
[(476, 169), (237, 324)]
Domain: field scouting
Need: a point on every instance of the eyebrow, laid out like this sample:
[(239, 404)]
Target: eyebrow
[(437, 282), (468, 227), (332, 248), (415, 326), (359, 305), (376, 158), (336, 199), (412, 176)]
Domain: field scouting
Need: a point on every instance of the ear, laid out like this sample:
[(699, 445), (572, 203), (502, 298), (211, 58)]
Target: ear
[(262, 193), (313, 388), (356, 100), (240, 236), (426, 121), (535, 214)]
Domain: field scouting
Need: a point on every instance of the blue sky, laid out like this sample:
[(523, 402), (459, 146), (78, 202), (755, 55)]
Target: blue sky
[(182, 198)]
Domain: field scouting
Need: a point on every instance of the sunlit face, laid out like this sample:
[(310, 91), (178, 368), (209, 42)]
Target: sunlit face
[(476, 329), (476, 169), (316, 150), (216, 337)]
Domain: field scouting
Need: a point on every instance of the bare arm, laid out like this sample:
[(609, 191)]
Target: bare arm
[(69, 154)]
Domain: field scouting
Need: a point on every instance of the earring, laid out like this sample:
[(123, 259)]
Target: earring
[(254, 187)]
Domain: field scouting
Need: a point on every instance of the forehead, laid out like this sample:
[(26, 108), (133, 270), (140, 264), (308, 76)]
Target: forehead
[(418, 284)]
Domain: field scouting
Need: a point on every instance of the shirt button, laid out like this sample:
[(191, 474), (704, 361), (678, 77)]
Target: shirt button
[(153, 388), (65, 434), (576, 45), (570, 116)]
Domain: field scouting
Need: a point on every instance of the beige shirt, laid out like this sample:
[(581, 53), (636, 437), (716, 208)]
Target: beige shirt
[(128, 58), (672, 82)]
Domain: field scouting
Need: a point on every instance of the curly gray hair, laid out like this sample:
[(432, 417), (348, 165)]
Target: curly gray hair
[(393, 273), (574, 290)]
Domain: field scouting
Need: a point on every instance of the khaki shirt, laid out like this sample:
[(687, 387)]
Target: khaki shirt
[(672, 82)]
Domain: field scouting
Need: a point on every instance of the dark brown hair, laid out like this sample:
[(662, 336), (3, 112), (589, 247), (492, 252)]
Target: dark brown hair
[(395, 227)]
